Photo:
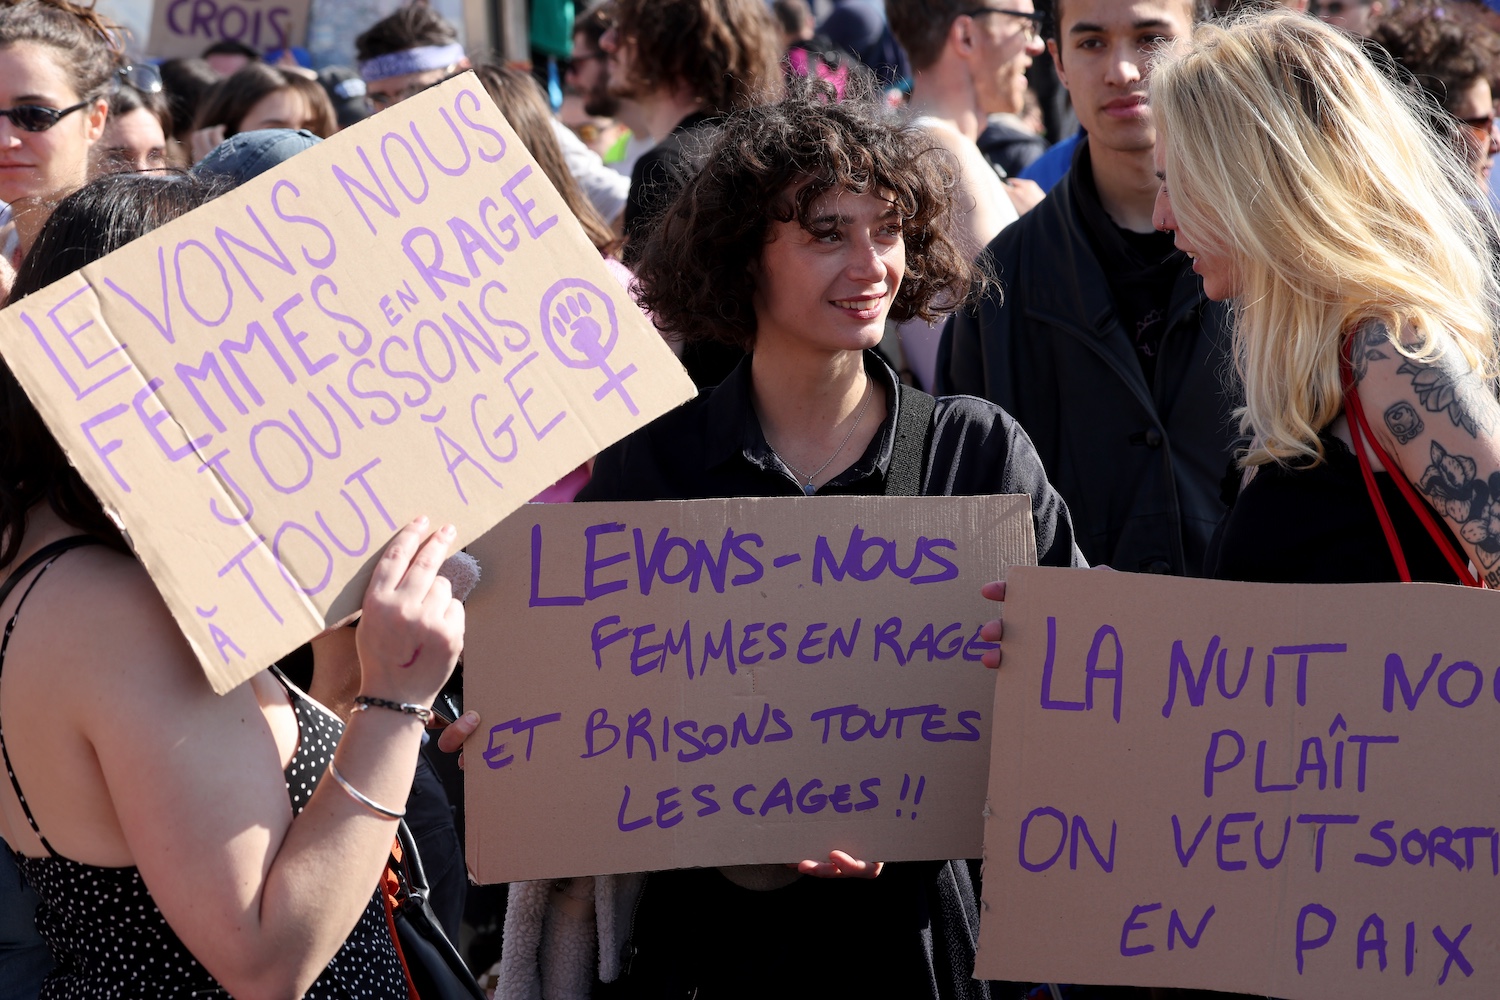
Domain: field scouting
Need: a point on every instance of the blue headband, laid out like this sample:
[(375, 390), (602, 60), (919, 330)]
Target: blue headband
[(422, 59)]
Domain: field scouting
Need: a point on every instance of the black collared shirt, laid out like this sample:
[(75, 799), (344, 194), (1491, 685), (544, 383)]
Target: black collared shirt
[(713, 447)]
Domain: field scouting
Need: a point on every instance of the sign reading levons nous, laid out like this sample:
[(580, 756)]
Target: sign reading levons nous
[(402, 320), (721, 682), (1274, 790)]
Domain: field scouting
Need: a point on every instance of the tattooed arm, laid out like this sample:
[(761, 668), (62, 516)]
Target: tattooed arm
[(1441, 424)]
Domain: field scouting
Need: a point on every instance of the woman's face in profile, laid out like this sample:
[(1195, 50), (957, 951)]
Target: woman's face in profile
[(830, 286), (1214, 267)]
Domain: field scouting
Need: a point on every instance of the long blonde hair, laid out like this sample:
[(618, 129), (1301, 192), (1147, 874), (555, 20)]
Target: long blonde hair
[(1289, 152)]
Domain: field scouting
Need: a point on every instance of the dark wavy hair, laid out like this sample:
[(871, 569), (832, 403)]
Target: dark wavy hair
[(98, 218), (727, 52), (233, 97), (769, 164)]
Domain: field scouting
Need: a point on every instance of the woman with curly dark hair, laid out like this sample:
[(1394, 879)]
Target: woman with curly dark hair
[(808, 225), (1453, 56)]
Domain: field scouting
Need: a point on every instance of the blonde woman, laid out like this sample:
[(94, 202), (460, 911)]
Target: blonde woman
[(1309, 190)]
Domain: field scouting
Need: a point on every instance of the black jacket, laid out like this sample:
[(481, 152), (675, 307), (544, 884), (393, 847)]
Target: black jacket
[(1139, 465), (712, 446)]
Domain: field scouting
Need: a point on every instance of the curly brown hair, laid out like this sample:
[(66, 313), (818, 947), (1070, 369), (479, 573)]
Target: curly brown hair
[(726, 52), (770, 163), (1446, 50)]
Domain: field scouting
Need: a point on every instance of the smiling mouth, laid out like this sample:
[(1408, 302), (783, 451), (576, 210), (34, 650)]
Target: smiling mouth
[(859, 305)]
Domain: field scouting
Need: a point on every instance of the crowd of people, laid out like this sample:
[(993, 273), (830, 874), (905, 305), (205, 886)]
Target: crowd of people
[(1152, 263)]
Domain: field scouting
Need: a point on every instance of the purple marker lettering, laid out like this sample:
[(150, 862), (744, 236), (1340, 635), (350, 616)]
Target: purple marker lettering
[(1062, 838), (153, 422), (79, 391), (319, 262), (1323, 822), (198, 283), (523, 208), (163, 323), (1048, 701), (383, 201), (360, 475), (503, 231), (1305, 943), (275, 256), (294, 338), (353, 551), (522, 397), (463, 146), (286, 571), (456, 458), (470, 97), (238, 562), (113, 444), (503, 430), (394, 139), (1134, 923), (255, 452), (241, 498)]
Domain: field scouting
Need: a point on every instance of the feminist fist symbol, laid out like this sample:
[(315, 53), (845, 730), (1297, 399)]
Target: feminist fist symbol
[(576, 332), (575, 313)]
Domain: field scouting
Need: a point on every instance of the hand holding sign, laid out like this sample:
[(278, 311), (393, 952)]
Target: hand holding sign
[(412, 629), (264, 389)]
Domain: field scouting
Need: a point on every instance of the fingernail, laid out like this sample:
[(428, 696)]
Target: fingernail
[(472, 718), (421, 520), (448, 531)]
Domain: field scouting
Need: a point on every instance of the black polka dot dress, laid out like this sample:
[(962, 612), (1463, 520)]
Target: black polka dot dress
[(110, 941)]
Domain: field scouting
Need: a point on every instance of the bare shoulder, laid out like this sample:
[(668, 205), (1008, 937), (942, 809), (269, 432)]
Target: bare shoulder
[(102, 626)]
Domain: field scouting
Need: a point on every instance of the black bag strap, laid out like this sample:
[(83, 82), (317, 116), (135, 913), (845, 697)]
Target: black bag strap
[(914, 409), (436, 968)]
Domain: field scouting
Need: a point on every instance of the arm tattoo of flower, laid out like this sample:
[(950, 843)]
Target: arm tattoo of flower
[(1370, 344), (1443, 388), (1404, 422), (1453, 485)]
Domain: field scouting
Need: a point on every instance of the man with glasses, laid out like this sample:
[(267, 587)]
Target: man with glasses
[(586, 77), (1102, 344), (969, 60)]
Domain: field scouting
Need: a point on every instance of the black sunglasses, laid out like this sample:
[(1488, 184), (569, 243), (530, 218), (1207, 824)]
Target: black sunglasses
[(35, 118), (142, 76)]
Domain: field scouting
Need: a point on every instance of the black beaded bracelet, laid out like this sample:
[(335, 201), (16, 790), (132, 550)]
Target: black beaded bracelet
[(363, 703)]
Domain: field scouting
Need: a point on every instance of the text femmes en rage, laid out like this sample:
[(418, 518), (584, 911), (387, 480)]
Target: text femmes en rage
[(356, 377)]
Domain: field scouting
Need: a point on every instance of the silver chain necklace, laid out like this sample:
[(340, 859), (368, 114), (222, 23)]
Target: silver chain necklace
[(808, 489)]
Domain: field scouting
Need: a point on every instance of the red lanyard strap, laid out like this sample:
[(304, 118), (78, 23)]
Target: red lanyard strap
[(1359, 431)]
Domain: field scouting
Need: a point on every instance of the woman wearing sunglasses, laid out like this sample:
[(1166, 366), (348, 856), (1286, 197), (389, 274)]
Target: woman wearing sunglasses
[(1451, 54), (56, 63)]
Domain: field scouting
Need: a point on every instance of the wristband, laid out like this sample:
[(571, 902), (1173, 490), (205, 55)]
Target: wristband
[(364, 703)]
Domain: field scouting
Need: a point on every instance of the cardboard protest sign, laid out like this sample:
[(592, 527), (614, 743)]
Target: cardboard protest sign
[(181, 28), (1286, 791), (402, 320), (716, 682)]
